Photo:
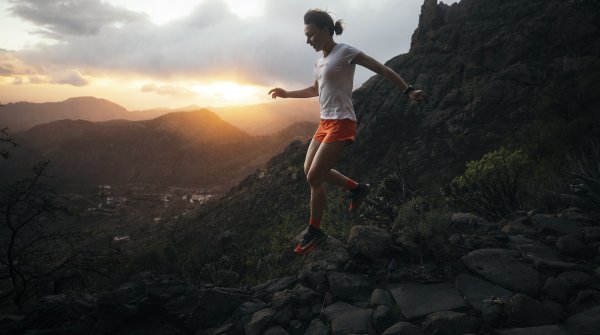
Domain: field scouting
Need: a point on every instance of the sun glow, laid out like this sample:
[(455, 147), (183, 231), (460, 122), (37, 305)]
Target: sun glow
[(138, 93), (229, 92)]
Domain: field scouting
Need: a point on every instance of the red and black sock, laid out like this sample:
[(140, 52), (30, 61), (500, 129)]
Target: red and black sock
[(351, 184), (315, 223)]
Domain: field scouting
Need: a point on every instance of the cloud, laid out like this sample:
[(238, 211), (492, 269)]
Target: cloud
[(173, 90), (211, 42), (68, 77), (13, 66), (36, 79), (72, 17)]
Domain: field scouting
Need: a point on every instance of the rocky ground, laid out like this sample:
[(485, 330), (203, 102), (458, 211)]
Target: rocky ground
[(536, 274)]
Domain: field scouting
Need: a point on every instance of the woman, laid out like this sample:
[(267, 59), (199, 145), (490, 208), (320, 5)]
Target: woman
[(334, 75)]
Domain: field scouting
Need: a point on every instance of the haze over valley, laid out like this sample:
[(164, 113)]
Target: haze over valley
[(131, 176)]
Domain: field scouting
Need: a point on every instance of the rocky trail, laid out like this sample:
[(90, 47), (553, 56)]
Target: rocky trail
[(535, 274)]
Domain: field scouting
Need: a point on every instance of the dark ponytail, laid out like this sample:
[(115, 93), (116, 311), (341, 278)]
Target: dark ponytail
[(322, 19), (338, 28)]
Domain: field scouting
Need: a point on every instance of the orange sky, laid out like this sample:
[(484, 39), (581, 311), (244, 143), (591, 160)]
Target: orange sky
[(145, 54), (138, 94)]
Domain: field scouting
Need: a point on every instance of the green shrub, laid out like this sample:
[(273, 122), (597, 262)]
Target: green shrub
[(424, 230), (494, 186), (382, 208)]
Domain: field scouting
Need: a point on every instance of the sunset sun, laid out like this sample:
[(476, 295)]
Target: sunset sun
[(230, 92)]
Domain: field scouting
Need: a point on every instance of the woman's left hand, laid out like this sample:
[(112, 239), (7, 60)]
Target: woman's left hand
[(278, 92), (418, 96)]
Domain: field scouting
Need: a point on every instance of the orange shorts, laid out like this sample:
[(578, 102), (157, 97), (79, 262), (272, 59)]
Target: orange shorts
[(336, 131)]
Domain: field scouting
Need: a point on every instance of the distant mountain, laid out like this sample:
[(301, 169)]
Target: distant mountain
[(20, 116), (263, 119), (191, 149)]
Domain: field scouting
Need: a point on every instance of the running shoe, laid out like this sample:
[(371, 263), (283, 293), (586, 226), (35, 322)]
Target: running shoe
[(358, 196), (309, 240)]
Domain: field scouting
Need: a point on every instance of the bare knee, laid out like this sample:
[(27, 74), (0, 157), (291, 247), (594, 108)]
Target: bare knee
[(306, 169), (313, 179)]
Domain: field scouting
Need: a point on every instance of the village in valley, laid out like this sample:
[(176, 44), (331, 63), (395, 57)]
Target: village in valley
[(132, 213)]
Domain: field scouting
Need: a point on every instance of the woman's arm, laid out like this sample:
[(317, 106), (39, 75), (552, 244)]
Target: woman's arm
[(309, 92), (373, 65)]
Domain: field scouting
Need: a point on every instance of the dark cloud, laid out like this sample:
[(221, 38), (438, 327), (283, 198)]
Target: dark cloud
[(72, 17), (211, 41)]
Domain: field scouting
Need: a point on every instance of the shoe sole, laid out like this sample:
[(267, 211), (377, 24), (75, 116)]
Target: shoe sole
[(311, 246)]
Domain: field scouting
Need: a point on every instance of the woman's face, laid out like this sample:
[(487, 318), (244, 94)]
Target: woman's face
[(315, 37)]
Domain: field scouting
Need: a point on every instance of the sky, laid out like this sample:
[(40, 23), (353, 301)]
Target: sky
[(145, 54)]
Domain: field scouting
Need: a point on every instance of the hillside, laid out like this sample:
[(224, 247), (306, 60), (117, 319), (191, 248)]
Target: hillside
[(497, 73), (192, 149)]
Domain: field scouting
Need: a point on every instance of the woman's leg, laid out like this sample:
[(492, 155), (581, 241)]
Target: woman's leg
[(333, 177), (336, 178), (320, 164)]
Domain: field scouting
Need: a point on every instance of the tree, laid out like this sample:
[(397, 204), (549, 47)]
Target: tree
[(6, 140), (31, 246), (38, 251)]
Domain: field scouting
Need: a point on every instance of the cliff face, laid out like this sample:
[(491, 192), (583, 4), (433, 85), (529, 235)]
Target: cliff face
[(493, 71)]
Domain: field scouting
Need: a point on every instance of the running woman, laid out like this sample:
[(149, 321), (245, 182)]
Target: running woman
[(334, 76)]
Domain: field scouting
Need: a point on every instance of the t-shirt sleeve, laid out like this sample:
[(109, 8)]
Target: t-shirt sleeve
[(349, 53)]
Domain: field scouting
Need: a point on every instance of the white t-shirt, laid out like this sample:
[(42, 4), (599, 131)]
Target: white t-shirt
[(335, 76)]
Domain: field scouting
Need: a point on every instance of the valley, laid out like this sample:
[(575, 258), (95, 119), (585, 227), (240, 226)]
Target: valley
[(134, 215)]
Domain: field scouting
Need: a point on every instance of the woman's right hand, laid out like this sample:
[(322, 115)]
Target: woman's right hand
[(278, 92), (418, 96)]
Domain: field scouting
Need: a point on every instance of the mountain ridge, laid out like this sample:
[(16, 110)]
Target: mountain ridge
[(256, 119), (19, 116), (179, 148)]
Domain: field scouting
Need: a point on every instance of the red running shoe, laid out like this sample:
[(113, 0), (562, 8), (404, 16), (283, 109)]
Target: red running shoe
[(358, 196), (309, 240)]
